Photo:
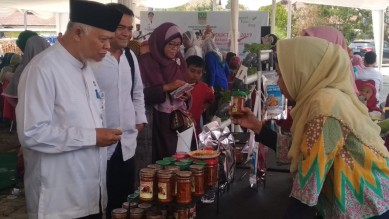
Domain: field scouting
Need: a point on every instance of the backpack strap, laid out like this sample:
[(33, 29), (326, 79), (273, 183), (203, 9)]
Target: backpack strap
[(132, 65)]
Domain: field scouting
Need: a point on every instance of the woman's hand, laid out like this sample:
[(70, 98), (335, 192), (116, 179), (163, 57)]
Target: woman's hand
[(248, 120), (185, 96), (173, 85)]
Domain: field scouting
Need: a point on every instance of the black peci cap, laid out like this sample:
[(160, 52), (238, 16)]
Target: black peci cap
[(94, 14)]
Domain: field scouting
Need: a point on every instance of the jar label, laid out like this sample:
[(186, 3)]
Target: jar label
[(146, 189), (162, 191)]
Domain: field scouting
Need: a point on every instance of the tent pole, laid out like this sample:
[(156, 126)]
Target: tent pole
[(25, 19), (289, 24), (273, 17), (378, 30)]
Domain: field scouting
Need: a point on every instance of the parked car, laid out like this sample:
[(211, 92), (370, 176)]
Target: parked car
[(360, 47)]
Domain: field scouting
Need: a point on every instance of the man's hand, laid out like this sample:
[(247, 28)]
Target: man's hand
[(106, 137), (140, 127)]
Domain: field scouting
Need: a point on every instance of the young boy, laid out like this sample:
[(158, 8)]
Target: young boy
[(202, 95)]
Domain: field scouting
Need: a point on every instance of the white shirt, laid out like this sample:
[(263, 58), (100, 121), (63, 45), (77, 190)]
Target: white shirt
[(369, 73), (57, 113), (115, 80)]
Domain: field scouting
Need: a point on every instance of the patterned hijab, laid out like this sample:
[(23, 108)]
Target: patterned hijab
[(321, 87), (156, 68)]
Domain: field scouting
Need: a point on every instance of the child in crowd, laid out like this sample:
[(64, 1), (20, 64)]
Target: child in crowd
[(202, 95), (367, 95)]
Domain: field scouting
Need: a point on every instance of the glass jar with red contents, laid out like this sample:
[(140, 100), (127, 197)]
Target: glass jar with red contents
[(165, 186), (181, 213), (212, 172), (184, 187), (174, 170), (237, 102), (146, 184), (197, 180)]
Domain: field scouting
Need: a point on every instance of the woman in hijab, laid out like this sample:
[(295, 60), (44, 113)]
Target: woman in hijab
[(32, 47), (163, 70), (339, 162), (334, 36), (357, 63), (191, 45)]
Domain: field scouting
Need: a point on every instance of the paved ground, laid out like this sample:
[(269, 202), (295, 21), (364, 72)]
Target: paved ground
[(15, 208)]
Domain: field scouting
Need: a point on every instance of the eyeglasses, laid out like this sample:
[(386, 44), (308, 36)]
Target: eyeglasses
[(172, 45)]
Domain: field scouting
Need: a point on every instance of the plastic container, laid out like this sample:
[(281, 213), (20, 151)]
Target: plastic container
[(237, 102)]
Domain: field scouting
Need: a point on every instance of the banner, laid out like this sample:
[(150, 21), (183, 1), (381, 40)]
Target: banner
[(249, 23)]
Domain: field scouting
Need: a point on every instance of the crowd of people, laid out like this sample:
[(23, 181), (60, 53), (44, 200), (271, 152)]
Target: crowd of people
[(85, 105)]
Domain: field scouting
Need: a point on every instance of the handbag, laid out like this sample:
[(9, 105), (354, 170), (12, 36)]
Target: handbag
[(179, 121)]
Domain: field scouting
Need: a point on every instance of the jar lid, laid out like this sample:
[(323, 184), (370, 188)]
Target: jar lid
[(172, 168), (189, 161), (144, 205), (133, 205), (119, 211), (184, 173), (126, 205), (169, 159), (132, 196), (238, 93), (136, 211), (165, 173), (201, 163), (182, 165), (196, 167), (147, 171), (154, 166), (163, 163)]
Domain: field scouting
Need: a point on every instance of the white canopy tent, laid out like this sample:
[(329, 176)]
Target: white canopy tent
[(47, 8)]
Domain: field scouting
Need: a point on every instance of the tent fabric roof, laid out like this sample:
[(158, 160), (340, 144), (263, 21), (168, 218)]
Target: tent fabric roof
[(363, 4), (63, 5)]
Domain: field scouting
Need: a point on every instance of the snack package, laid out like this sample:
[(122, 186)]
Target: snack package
[(177, 93), (275, 106)]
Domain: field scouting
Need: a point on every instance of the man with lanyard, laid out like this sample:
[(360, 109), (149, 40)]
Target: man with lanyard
[(119, 78), (60, 119)]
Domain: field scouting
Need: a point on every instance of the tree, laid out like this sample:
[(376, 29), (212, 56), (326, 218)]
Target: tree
[(281, 19), (241, 7), (353, 23)]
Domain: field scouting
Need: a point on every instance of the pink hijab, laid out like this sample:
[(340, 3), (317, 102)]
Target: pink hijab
[(357, 62), (334, 36)]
